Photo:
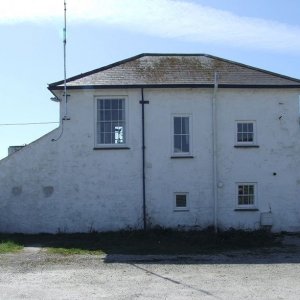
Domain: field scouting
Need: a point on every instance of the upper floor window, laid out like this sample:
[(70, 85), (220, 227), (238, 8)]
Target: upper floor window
[(110, 121), (181, 135), (245, 132)]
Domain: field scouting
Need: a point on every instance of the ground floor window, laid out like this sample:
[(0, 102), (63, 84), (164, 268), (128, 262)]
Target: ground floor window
[(180, 201), (246, 194)]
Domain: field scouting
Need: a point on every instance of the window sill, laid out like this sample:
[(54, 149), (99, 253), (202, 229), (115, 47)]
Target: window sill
[(181, 210), (111, 148), (246, 146), (182, 156), (246, 209)]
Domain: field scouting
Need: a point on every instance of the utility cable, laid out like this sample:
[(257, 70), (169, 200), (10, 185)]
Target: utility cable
[(22, 124)]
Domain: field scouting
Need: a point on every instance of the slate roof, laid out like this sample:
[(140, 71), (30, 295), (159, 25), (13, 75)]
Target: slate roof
[(176, 70)]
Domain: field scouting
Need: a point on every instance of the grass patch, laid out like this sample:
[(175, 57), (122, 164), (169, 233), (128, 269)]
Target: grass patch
[(156, 241), (9, 247)]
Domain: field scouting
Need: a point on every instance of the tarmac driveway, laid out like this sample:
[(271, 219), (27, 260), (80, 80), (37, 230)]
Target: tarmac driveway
[(34, 274)]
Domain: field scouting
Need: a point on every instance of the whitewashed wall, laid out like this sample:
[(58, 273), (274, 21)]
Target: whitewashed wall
[(278, 135), (68, 186)]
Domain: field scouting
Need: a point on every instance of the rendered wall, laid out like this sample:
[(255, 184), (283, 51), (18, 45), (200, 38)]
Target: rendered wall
[(66, 185), (70, 187)]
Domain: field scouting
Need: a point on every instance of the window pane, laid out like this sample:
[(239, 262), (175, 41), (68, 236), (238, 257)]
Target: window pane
[(177, 143), (250, 127), (246, 200), (114, 104), (251, 189), (121, 104), (108, 138), (100, 115), (240, 200), (121, 115), (244, 127), (114, 115), (241, 190), (101, 127), (100, 139), (107, 104), (180, 200), (250, 137), (107, 127), (100, 104), (185, 125), (239, 127), (107, 115), (251, 200), (177, 125), (185, 143), (239, 137)]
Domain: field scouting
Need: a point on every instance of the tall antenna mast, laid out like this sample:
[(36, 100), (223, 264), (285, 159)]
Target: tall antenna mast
[(65, 117), (65, 62)]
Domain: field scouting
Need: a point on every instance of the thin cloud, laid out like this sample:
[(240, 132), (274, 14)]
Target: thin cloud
[(163, 18)]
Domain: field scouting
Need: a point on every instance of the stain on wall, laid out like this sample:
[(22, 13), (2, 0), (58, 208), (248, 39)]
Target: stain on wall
[(48, 191), (16, 190)]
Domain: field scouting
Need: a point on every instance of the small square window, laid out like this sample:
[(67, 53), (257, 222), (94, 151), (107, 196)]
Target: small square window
[(245, 133), (246, 195), (181, 201)]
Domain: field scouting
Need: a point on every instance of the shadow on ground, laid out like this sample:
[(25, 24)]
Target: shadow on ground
[(171, 246)]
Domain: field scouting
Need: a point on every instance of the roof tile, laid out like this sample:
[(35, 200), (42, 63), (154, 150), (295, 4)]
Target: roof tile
[(177, 69)]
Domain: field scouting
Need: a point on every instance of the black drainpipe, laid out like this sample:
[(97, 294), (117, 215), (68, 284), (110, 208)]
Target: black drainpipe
[(143, 102)]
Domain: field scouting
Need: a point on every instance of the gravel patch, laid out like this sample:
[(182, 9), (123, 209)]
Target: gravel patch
[(264, 274)]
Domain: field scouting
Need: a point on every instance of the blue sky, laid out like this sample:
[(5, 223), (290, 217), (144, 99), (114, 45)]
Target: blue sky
[(263, 34)]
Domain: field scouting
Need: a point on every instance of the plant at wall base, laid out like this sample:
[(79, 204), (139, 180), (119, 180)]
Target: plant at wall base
[(158, 240), (10, 246), (91, 228)]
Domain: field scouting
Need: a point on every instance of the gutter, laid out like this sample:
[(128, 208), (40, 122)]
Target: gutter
[(161, 86)]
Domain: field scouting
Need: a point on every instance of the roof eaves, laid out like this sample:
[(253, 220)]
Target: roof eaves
[(132, 86)]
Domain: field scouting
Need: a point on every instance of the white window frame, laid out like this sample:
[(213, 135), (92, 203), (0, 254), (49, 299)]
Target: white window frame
[(182, 154), (181, 208), (246, 206), (245, 143), (126, 134)]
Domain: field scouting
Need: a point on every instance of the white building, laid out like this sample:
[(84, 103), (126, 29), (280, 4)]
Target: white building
[(161, 139)]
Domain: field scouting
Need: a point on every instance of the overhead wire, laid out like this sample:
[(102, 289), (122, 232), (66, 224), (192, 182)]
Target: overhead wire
[(32, 123)]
